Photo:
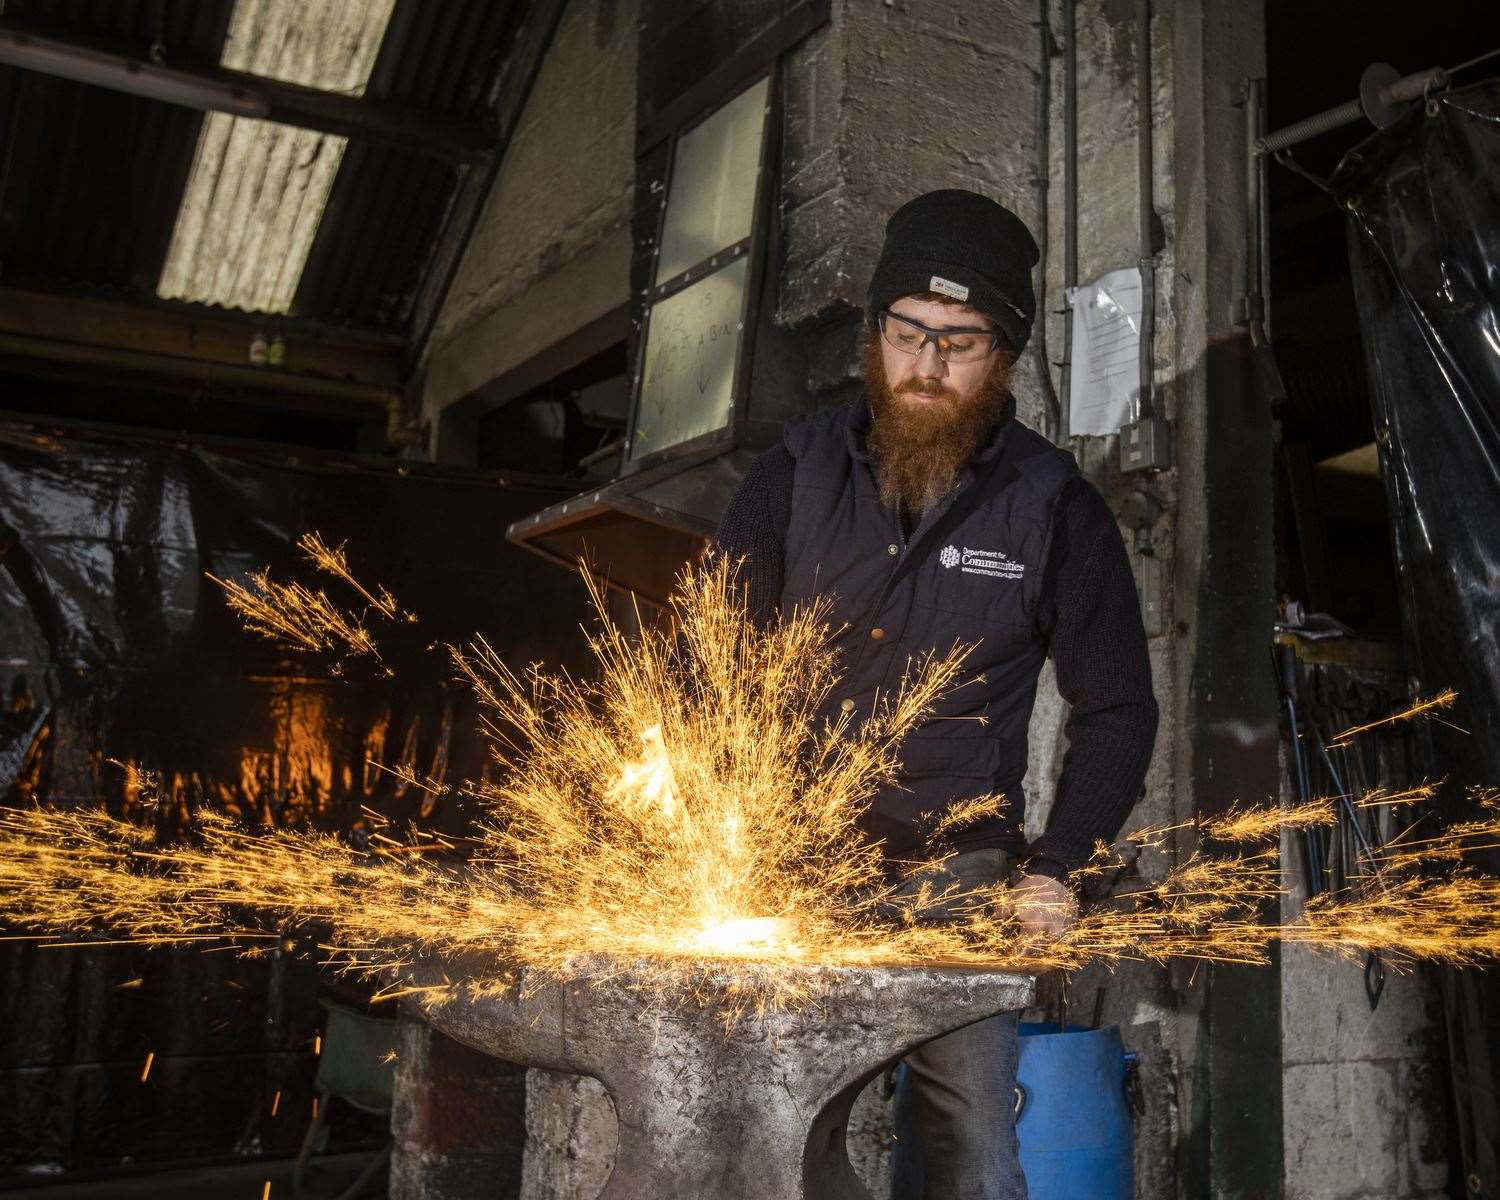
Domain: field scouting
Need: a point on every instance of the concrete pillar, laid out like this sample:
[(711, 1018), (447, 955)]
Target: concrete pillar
[(1225, 703), (458, 1124)]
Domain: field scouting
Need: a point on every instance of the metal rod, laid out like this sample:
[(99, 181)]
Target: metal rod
[(1070, 200), (1043, 170), (1144, 170), (1254, 302), (84, 65), (1411, 87), (1475, 61)]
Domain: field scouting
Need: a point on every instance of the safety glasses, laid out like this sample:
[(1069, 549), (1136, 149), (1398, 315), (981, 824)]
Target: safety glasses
[(953, 345)]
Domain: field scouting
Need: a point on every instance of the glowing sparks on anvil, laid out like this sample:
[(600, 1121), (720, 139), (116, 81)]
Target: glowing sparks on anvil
[(688, 811), (648, 782)]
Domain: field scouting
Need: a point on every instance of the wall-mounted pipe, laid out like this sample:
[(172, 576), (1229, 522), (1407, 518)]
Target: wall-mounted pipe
[(1144, 168), (1252, 314), (1255, 176), (1053, 412), (1070, 199)]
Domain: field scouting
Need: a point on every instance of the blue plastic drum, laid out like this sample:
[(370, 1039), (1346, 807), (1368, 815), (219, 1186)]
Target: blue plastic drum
[(1074, 1128)]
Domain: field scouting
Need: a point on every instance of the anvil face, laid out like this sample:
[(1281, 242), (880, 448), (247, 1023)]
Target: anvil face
[(754, 1113)]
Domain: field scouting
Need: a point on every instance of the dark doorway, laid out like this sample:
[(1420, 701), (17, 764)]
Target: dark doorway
[(571, 425)]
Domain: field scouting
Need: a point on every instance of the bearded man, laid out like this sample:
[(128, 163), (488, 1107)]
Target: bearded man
[(928, 515)]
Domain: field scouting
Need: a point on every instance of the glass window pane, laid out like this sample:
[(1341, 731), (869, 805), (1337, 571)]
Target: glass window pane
[(711, 204), (692, 344)]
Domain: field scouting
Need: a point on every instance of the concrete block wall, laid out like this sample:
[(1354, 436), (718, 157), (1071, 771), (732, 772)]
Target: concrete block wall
[(1363, 1099), (888, 101), (1362, 1091), (551, 251), (1108, 221), (1139, 997)]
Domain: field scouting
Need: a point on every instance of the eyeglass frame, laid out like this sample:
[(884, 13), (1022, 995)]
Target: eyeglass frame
[(997, 338)]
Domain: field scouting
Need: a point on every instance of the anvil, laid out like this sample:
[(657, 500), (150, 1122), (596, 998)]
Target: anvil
[(708, 1110)]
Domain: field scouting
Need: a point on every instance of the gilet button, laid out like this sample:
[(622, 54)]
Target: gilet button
[(847, 705), (891, 549), (877, 633)]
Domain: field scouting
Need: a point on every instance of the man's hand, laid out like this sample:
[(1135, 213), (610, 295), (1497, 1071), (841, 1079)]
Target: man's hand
[(1044, 906)]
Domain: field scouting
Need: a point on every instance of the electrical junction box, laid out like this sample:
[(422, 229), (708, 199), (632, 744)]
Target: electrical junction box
[(1146, 445), (1150, 590)]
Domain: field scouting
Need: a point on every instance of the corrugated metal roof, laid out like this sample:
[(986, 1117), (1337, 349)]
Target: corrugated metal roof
[(386, 207), (91, 201), (257, 190)]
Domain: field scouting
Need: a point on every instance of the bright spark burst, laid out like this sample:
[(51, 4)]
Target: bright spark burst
[(307, 619), (1256, 824), (689, 810), (1442, 701)]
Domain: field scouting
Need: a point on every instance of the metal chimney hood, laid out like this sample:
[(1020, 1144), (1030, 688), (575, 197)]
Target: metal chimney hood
[(699, 413), (637, 533)]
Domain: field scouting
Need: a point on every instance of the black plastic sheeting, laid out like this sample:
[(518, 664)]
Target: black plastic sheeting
[(1424, 203), (115, 645)]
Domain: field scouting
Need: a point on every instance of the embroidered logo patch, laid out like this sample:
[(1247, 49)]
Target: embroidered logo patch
[(947, 287), (993, 563)]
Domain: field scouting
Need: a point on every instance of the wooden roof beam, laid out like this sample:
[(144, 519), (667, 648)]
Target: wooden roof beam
[(46, 333), (217, 89)]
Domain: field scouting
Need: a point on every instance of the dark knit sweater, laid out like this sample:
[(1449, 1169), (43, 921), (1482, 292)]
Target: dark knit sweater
[(1091, 619)]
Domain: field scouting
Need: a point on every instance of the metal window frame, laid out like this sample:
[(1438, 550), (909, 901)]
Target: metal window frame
[(753, 248)]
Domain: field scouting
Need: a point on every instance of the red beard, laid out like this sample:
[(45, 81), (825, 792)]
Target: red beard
[(918, 448)]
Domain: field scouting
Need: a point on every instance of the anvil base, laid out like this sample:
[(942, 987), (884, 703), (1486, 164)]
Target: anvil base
[(754, 1113)]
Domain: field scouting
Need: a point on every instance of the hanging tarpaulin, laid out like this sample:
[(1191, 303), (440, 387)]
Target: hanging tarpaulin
[(1423, 197), (116, 649)]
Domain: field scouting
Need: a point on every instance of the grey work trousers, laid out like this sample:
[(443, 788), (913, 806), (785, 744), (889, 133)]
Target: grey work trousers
[(962, 1088)]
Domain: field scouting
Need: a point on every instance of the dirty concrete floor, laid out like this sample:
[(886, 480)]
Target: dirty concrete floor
[(328, 1176)]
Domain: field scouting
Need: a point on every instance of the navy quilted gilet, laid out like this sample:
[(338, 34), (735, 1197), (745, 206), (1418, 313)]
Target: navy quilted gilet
[(971, 572)]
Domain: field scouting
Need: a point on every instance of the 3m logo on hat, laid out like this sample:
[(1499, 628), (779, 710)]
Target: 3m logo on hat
[(947, 287)]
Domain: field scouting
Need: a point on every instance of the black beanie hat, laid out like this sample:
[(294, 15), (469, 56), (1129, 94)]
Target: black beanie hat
[(964, 245)]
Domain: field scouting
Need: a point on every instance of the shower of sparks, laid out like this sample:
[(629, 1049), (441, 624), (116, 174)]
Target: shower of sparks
[(295, 614), (967, 812), (1257, 824), (407, 774), (687, 810), (334, 562), (304, 618), (1441, 702), (1381, 798)]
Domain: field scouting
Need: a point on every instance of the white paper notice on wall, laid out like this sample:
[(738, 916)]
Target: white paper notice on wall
[(1105, 352)]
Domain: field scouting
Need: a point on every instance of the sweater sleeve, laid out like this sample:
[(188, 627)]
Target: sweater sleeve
[(1098, 646), (752, 531)]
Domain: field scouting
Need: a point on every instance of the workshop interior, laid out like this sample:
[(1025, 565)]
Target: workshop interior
[(473, 317)]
